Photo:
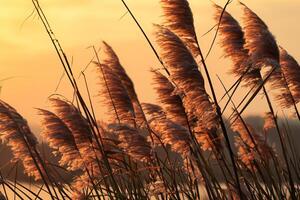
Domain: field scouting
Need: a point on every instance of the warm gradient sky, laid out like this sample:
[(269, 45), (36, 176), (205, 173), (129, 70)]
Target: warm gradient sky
[(27, 54)]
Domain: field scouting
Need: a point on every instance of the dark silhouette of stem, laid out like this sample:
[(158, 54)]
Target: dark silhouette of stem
[(291, 182)]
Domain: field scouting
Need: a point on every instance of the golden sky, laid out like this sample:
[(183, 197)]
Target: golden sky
[(26, 52)]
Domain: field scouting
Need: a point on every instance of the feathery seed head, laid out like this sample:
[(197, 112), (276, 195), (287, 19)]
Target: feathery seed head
[(115, 95), (291, 70), (178, 17), (15, 132), (260, 42), (60, 138), (132, 143)]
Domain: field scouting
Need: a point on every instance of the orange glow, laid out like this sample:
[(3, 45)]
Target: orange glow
[(27, 54)]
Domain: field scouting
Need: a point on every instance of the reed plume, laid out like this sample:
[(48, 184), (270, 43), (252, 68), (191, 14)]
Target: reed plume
[(260, 42), (90, 153), (113, 62), (246, 155), (110, 144), (83, 137), (250, 47), (244, 129), (15, 132), (189, 82), (250, 143), (78, 126), (153, 111), (132, 142), (282, 92), (280, 89), (183, 71), (170, 101), (169, 132), (95, 171), (115, 96), (243, 47), (232, 41), (80, 184), (173, 134), (178, 17), (60, 138), (291, 70)]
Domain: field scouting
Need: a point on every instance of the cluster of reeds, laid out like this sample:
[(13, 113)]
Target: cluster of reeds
[(179, 148)]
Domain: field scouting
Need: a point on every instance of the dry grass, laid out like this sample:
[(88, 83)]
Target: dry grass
[(166, 151)]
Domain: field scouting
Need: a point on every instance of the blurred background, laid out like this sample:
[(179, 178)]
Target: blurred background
[(31, 65)]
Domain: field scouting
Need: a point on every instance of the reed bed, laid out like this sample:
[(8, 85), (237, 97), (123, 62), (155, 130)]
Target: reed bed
[(179, 148)]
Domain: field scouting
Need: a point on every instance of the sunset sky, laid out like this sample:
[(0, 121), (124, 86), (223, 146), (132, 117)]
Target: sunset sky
[(27, 54)]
